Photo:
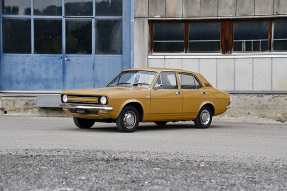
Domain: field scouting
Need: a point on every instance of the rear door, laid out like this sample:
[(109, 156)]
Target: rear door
[(192, 94)]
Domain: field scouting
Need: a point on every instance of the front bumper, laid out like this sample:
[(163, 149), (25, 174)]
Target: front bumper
[(85, 107)]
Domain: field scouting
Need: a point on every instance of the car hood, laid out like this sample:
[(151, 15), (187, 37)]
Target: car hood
[(101, 91)]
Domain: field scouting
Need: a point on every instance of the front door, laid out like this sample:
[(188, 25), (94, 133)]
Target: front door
[(166, 101)]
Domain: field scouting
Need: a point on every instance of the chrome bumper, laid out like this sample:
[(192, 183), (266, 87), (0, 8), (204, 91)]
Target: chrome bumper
[(85, 107)]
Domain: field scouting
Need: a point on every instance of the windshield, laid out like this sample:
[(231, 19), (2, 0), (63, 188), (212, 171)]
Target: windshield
[(134, 78)]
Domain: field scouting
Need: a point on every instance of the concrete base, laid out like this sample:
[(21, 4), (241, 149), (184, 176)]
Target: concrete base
[(253, 108), (24, 105)]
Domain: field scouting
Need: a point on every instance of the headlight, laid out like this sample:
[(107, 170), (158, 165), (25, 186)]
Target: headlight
[(65, 98), (104, 100)]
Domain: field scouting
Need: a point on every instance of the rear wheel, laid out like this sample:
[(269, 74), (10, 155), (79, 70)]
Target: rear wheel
[(204, 118), (160, 122), (128, 120), (83, 123)]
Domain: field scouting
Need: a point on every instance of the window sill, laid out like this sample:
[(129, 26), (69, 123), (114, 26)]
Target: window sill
[(217, 55)]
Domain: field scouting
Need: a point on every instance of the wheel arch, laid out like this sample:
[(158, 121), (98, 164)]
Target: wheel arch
[(208, 104), (135, 104)]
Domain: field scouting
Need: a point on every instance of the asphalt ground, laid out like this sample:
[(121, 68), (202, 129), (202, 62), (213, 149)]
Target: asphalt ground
[(52, 154)]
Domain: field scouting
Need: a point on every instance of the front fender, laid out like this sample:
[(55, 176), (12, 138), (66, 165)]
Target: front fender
[(130, 101)]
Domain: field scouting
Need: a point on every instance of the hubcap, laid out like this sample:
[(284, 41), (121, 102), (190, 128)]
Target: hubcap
[(129, 119), (205, 117)]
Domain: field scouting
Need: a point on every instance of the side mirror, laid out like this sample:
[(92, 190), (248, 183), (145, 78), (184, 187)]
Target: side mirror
[(157, 86)]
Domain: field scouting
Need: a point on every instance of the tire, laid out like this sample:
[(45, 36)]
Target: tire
[(128, 120), (83, 123), (204, 118), (160, 123)]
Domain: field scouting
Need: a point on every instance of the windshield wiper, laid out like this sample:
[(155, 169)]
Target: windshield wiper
[(122, 83), (142, 83)]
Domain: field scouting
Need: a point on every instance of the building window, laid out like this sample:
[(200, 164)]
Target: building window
[(48, 36), (16, 7), (225, 36), (109, 7), (16, 35), (79, 36), (90, 26), (204, 37), (280, 35), (168, 37), (251, 36), (78, 7), (51, 7), (108, 36)]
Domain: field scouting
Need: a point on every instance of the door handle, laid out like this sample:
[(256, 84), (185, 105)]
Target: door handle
[(202, 93), (177, 92), (67, 59)]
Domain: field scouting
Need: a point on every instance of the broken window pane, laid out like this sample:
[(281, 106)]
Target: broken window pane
[(78, 7), (280, 35), (204, 37), (16, 35), (48, 36), (109, 7), (168, 37), (251, 36), (51, 7), (16, 7), (109, 36), (79, 36)]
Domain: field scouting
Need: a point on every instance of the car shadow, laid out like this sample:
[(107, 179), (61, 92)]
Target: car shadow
[(143, 127)]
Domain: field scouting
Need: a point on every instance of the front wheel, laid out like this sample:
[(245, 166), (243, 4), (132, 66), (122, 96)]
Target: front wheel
[(128, 120), (83, 123), (204, 118)]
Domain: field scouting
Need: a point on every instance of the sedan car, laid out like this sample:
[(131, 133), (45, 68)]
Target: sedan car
[(147, 95)]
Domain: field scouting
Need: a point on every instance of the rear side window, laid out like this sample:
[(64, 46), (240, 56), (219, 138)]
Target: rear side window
[(188, 82)]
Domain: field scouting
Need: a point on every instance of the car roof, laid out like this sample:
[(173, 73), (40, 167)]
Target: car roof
[(163, 70), (201, 78)]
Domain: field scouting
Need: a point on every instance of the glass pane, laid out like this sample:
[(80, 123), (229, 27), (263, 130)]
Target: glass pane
[(168, 81), (16, 7), (134, 78), (109, 7), (188, 82), (16, 35), (51, 7), (78, 7), (48, 36), (168, 37), (251, 36), (280, 35), (204, 37), (109, 36), (78, 36)]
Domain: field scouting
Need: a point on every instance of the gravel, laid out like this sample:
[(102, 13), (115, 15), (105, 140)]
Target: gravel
[(63, 170)]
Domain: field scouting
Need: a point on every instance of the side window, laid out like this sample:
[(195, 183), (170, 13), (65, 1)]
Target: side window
[(167, 80), (188, 82)]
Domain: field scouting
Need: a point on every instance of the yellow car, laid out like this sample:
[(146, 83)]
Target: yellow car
[(147, 95)]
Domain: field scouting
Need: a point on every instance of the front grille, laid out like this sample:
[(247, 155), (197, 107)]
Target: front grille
[(84, 99), (86, 112)]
